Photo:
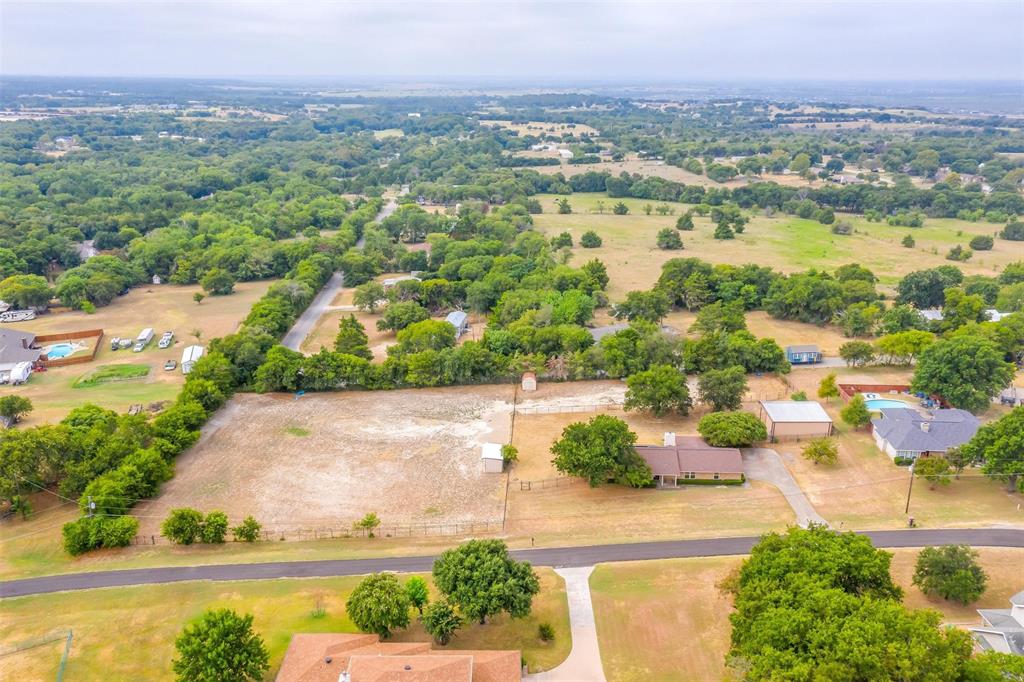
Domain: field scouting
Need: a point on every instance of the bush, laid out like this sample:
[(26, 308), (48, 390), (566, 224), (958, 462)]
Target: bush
[(901, 461), (248, 530), (94, 532), (669, 240), (215, 527), (908, 241), (842, 228), (590, 240), (1013, 232), (959, 253), (546, 632), (183, 526), (509, 453), (710, 481), (982, 243)]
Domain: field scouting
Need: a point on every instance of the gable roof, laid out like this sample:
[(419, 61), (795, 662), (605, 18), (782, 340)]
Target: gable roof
[(903, 428), (690, 454), (16, 346), (798, 411), (805, 348), (456, 318), (323, 657)]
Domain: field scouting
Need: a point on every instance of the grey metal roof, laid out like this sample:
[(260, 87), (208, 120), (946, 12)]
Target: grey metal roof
[(15, 346), (902, 428), (456, 318), (1018, 599), (807, 348)]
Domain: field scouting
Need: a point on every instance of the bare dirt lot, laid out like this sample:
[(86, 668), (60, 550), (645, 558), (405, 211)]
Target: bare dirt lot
[(325, 460)]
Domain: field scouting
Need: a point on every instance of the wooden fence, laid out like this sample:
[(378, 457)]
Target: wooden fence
[(566, 409), (546, 483), (96, 334)]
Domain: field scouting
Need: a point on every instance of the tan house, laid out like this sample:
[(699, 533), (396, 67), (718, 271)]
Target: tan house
[(795, 419), (682, 459), (342, 657)]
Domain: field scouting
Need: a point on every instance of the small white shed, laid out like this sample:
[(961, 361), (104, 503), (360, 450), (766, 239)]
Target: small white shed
[(492, 459), (529, 381)]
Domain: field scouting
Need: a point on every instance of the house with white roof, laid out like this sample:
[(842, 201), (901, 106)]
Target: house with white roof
[(1002, 630)]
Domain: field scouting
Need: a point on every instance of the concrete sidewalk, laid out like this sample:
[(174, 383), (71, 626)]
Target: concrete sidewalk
[(584, 661)]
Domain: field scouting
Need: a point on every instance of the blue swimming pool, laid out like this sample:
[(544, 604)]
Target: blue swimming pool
[(885, 403), (59, 350)]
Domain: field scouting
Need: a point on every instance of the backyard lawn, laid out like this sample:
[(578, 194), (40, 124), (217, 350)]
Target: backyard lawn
[(147, 619)]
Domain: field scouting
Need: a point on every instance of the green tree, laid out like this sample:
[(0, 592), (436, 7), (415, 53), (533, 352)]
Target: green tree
[(935, 470), (481, 579), (908, 241), (370, 522), (902, 348), (856, 413), (352, 338), (799, 587), (1000, 445), (561, 240), (600, 450), (217, 282), (563, 206), (620, 209), (416, 589), (651, 306), (198, 297), (951, 572), (857, 353), (379, 604), (441, 621), (215, 527), (398, 316), (26, 291), (368, 296), (668, 239), (248, 530), (13, 407), (966, 371), (220, 647), (982, 242), (731, 429), (660, 390), (685, 222), (821, 451), (828, 389), (723, 389), (183, 526), (590, 240)]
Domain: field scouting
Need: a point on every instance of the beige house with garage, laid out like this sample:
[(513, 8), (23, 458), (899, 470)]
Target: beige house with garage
[(795, 419), (684, 460)]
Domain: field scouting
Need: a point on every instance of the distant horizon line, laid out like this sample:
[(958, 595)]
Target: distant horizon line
[(561, 80)]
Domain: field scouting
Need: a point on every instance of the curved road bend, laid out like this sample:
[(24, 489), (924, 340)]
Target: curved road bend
[(308, 319), (555, 556)]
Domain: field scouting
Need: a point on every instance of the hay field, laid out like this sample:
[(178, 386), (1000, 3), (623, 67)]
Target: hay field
[(164, 307)]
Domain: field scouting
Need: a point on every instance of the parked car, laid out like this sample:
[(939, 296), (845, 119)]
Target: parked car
[(115, 343), (170, 364), (125, 343), (166, 340)]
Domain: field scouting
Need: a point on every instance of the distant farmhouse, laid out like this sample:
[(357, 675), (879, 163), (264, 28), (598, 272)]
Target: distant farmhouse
[(803, 355), (905, 432)]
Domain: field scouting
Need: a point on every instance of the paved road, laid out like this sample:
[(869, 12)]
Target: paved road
[(304, 325), (827, 362), (584, 661), (764, 464), (554, 556)]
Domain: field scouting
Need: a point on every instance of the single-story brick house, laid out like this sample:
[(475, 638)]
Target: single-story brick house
[(795, 419), (685, 458), (905, 432), (329, 657)]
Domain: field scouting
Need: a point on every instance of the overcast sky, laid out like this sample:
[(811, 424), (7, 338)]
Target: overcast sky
[(665, 41)]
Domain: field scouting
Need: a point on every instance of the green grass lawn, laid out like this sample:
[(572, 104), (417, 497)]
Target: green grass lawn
[(129, 633), (110, 373)]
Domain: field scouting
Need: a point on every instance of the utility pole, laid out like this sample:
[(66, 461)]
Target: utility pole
[(909, 488)]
